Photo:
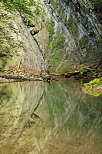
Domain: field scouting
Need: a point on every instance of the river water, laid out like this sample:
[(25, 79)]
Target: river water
[(49, 118)]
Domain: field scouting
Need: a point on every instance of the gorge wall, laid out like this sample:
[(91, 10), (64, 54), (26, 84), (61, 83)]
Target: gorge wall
[(75, 29), (17, 46), (65, 34)]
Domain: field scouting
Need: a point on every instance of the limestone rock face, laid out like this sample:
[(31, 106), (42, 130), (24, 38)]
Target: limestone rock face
[(75, 32), (17, 45), (64, 34)]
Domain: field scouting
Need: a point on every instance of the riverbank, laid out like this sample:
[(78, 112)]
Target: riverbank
[(90, 76), (85, 72), (19, 76)]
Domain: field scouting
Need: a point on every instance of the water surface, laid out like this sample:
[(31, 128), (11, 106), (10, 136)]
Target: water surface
[(49, 118)]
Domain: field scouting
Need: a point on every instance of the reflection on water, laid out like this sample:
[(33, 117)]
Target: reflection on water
[(55, 118)]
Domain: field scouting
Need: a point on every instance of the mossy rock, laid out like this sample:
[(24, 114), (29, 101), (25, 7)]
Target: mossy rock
[(28, 21), (55, 59), (50, 28), (57, 42), (54, 3), (82, 69), (64, 68), (83, 42), (73, 27), (56, 49)]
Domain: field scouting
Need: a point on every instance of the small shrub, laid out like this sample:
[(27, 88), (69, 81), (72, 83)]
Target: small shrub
[(23, 6), (82, 69), (93, 83)]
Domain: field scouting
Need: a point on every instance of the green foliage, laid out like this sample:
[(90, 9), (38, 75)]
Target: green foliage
[(54, 3), (22, 6), (6, 52), (50, 28), (94, 83), (82, 69), (96, 1), (55, 45), (55, 59), (57, 6), (58, 42), (73, 27), (92, 86), (83, 42), (64, 69)]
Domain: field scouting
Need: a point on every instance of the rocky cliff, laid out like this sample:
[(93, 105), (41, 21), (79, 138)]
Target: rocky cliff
[(75, 32), (65, 34), (17, 46)]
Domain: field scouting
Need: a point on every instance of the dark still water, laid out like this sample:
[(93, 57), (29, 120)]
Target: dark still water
[(55, 118)]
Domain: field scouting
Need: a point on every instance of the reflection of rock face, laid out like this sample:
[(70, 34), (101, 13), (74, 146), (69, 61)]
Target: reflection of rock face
[(18, 103), (68, 121)]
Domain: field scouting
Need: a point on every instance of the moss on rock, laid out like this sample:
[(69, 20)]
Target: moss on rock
[(73, 27), (50, 28), (57, 42)]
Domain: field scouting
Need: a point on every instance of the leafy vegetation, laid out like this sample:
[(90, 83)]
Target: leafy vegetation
[(82, 69), (56, 45), (20, 5), (50, 28), (23, 6), (57, 42), (64, 69), (96, 1), (94, 87), (94, 83), (73, 27), (29, 10)]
